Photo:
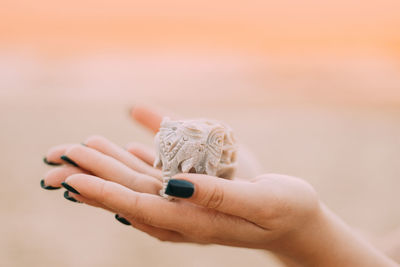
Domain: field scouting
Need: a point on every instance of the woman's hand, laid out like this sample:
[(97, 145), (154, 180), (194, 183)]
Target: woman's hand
[(238, 213), (274, 212)]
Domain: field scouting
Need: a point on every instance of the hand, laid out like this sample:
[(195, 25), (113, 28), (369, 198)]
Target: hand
[(274, 212), (239, 213), (109, 162)]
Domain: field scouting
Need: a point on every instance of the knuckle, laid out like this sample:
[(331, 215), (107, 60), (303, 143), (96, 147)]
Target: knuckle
[(135, 211), (214, 197), (104, 192), (95, 141), (144, 184), (107, 195), (133, 181)]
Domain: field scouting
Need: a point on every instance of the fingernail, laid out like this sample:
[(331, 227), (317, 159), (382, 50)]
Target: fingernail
[(70, 161), (47, 187), (179, 188), (122, 220), (50, 163), (83, 144), (69, 188), (67, 196)]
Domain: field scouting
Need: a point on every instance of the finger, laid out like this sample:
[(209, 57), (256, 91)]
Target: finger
[(182, 217), (142, 151), (111, 169), (53, 154), (107, 147), (143, 208), (147, 116), (81, 199), (160, 234), (238, 198), (78, 198), (56, 176)]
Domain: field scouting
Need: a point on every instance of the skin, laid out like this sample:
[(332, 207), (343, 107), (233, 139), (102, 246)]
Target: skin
[(273, 212)]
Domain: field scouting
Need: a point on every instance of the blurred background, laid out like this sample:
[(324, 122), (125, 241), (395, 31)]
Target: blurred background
[(311, 87)]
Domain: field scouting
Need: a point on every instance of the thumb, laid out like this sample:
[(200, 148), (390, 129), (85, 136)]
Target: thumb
[(238, 198)]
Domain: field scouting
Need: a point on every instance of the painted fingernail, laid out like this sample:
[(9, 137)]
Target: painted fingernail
[(50, 163), (67, 196), (122, 220), (179, 188), (70, 161), (69, 188), (47, 187)]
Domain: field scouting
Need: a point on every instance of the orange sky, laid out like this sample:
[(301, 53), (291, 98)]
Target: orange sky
[(251, 26)]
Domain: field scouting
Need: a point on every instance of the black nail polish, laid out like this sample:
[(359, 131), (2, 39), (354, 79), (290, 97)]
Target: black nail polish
[(67, 196), (47, 187), (70, 161), (50, 163), (179, 188), (69, 188), (122, 220)]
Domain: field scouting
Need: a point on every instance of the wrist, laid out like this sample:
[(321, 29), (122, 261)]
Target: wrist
[(325, 240), (303, 244)]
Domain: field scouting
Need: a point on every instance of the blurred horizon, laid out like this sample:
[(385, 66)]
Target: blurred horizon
[(318, 53), (254, 27)]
